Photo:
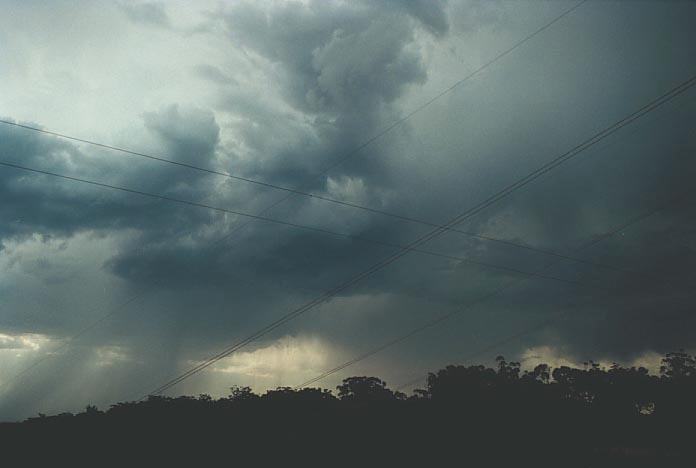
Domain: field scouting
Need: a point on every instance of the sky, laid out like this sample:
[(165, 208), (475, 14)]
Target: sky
[(288, 93)]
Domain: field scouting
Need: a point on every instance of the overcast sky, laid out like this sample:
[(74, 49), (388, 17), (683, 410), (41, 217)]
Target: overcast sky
[(281, 91)]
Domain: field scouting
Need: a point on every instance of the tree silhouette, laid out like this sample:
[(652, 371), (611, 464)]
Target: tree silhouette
[(472, 415), (367, 390), (678, 365)]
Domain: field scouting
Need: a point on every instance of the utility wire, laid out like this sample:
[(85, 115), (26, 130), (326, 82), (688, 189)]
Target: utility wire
[(271, 220), (339, 202), (662, 99), (287, 223)]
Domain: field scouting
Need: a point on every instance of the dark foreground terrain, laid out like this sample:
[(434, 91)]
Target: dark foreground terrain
[(466, 416)]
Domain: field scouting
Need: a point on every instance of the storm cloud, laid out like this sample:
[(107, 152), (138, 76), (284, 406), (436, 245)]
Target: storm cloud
[(284, 92)]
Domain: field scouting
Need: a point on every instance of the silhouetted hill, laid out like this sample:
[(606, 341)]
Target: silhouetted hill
[(466, 416)]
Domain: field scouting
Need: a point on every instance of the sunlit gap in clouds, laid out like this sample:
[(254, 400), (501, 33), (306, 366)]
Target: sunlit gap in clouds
[(286, 362)]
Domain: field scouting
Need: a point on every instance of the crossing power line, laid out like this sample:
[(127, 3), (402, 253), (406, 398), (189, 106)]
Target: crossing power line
[(285, 223), (499, 195), (292, 192), (405, 218), (67, 342)]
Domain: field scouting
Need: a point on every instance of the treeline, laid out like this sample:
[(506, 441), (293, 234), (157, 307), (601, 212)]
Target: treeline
[(601, 416)]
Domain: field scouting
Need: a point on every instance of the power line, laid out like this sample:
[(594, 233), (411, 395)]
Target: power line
[(662, 99), (325, 171), (480, 300), (272, 220), (344, 203), (285, 223), (352, 153)]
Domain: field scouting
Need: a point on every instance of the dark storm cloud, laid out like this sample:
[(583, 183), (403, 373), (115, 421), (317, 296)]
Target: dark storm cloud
[(334, 73), (190, 138), (328, 75), (319, 50), (51, 206)]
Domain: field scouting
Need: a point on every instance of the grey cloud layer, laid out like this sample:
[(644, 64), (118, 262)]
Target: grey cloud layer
[(326, 76)]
